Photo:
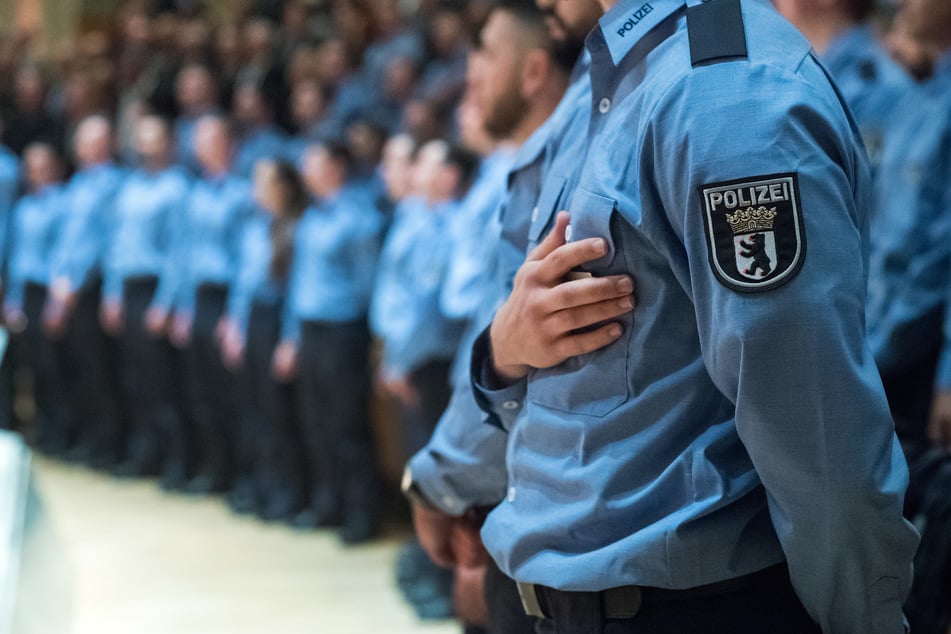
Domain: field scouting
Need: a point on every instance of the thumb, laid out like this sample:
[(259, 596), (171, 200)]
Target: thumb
[(554, 239)]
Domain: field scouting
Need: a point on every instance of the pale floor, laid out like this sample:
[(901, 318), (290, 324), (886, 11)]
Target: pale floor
[(146, 562)]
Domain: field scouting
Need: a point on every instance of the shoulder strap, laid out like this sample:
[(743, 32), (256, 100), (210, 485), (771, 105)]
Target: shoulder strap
[(715, 32)]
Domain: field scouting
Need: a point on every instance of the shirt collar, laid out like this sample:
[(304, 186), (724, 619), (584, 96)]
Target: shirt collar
[(630, 20)]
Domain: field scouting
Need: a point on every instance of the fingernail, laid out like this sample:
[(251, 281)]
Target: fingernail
[(614, 331), (600, 246), (626, 303), (626, 285)]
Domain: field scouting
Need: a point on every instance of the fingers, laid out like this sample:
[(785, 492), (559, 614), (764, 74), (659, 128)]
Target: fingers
[(568, 257), (570, 320), (555, 239), (591, 290), (583, 343)]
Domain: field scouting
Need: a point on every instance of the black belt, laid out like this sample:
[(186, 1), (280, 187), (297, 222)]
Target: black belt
[(624, 602)]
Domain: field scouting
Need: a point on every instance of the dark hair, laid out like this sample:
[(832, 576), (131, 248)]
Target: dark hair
[(859, 10), (284, 225), (465, 161)]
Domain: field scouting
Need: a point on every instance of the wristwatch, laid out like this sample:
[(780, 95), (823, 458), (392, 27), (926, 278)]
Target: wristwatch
[(412, 491)]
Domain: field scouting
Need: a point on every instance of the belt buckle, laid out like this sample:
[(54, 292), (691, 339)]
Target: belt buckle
[(529, 596)]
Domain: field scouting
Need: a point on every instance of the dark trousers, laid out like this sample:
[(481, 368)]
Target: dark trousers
[(334, 389), (505, 612), (211, 391), (767, 605), (44, 357), (95, 379), (432, 383), (157, 434), (272, 426)]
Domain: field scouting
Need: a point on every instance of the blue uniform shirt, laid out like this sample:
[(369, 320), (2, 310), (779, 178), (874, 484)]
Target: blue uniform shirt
[(9, 186), (89, 224), (264, 143), (463, 464), (149, 212), (911, 232), (37, 221), (254, 282), (405, 312), (728, 429), (216, 211), (871, 82), (335, 260)]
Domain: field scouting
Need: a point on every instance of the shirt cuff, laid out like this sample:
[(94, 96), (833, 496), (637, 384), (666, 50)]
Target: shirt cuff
[(502, 405), (425, 475)]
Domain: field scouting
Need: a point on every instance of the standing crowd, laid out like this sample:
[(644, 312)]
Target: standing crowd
[(221, 239)]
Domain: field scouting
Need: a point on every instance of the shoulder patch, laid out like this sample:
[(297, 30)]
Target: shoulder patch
[(755, 237)]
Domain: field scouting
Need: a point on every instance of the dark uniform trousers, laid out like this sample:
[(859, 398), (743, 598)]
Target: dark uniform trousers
[(506, 615), (271, 430), (94, 388), (157, 436), (760, 603), (211, 391), (334, 389), (52, 424), (431, 381)]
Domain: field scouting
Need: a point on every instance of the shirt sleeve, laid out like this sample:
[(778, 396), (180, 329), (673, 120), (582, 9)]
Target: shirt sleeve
[(463, 464), (810, 408), (943, 377), (174, 291)]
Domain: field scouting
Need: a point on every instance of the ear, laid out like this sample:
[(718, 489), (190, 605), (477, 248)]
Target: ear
[(536, 69)]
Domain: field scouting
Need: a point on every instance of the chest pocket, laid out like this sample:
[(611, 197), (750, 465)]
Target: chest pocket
[(544, 212), (594, 384)]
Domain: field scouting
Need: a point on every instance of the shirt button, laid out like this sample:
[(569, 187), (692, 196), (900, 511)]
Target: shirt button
[(511, 494), (448, 501), (510, 405), (534, 214), (604, 106), (569, 232)]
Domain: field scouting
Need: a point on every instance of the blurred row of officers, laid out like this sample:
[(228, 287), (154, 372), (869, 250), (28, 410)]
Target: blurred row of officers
[(213, 329)]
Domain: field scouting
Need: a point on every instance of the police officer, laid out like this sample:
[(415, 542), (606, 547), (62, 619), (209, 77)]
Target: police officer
[(872, 83), (9, 189), (255, 308), (217, 208), (72, 309), (259, 137), (37, 218), (326, 342), (138, 295), (462, 467), (909, 270), (703, 471)]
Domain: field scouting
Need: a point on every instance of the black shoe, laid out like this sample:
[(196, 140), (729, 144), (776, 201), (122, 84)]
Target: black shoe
[(353, 533), (204, 484), (133, 468), (279, 510), (242, 501), (309, 518), (174, 477)]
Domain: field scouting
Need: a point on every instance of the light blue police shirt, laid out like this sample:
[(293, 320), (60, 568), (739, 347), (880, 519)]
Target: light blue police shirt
[(254, 282), (149, 213), (911, 232), (216, 211), (872, 83), (739, 421), (89, 224), (335, 260), (463, 464), (9, 187), (36, 224), (405, 312), (267, 142)]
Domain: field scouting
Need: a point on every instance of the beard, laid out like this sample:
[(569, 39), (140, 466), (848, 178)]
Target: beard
[(504, 116)]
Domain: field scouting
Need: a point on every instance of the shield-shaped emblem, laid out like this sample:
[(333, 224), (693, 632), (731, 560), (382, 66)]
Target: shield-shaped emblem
[(754, 231)]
